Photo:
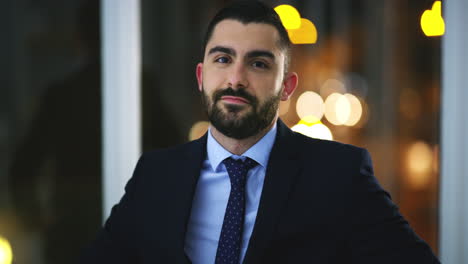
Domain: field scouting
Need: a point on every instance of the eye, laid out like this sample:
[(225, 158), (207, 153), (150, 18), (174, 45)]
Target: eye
[(260, 64), (222, 60)]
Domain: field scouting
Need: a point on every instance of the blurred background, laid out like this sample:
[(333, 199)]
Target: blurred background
[(371, 78)]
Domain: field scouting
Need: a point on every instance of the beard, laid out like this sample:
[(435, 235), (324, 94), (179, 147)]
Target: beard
[(232, 122)]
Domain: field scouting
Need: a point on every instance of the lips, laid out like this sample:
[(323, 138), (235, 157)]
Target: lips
[(234, 99)]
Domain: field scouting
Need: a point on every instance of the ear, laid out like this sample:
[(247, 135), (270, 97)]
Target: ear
[(199, 73), (290, 84)]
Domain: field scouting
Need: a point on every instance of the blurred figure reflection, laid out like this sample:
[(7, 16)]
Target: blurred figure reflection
[(55, 176)]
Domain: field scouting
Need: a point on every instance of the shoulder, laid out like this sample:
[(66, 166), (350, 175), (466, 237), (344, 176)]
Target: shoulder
[(193, 150), (310, 146), (188, 148)]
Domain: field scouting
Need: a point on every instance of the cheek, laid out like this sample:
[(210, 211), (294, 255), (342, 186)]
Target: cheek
[(272, 86), (279, 83), (279, 88), (212, 80)]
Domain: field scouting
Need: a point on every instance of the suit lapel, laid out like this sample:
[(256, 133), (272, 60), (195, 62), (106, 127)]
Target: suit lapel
[(283, 166), (185, 171)]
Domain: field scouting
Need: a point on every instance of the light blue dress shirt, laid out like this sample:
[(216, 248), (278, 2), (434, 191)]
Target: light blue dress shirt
[(212, 194)]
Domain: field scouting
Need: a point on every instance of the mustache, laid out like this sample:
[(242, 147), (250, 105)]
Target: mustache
[(231, 92)]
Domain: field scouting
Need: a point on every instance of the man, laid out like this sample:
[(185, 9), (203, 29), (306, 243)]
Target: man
[(251, 190)]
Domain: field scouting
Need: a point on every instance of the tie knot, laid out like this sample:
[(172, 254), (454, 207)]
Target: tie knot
[(237, 169), (238, 164)]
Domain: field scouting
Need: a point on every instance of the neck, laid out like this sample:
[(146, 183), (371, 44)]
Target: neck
[(239, 146)]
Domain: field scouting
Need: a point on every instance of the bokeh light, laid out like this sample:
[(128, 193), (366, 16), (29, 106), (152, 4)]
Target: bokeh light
[(419, 159), (365, 114), (309, 120), (343, 109), (301, 128), (306, 34), (332, 86), (432, 23), (330, 108), (289, 16), (321, 131), (356, 110), (313, 128), (198, 129), (310, 104), (6, 253)]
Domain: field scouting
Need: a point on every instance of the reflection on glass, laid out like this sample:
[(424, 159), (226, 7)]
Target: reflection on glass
[(54, 171)]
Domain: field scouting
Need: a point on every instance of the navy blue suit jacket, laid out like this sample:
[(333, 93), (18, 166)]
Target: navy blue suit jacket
[(320, 204)]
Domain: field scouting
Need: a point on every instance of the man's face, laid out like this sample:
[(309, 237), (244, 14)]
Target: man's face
[(242, 78)]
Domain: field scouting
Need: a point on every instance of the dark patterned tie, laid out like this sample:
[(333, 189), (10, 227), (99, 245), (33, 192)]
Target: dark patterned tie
[(231, 234)]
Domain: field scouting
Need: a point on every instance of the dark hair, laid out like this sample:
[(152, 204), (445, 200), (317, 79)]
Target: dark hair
[(250, 11)]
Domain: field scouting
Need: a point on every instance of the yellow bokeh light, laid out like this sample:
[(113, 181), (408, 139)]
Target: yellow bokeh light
[(317, 130), (432, 23), (198, 130), (289, 16), (6, 253), (300, 30), (309, 120), (306, 34), (310, 103), (419, 159), (356, 110)]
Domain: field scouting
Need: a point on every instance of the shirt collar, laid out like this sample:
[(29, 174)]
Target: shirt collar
[(260, 151)]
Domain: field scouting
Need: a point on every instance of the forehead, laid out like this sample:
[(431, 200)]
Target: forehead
[(245, 37)]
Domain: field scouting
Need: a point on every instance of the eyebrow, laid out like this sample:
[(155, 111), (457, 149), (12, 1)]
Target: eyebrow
[(260, 53), (222, 49), (250, 54)]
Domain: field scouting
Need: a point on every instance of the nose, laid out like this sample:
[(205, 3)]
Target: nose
[(238, 76)]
